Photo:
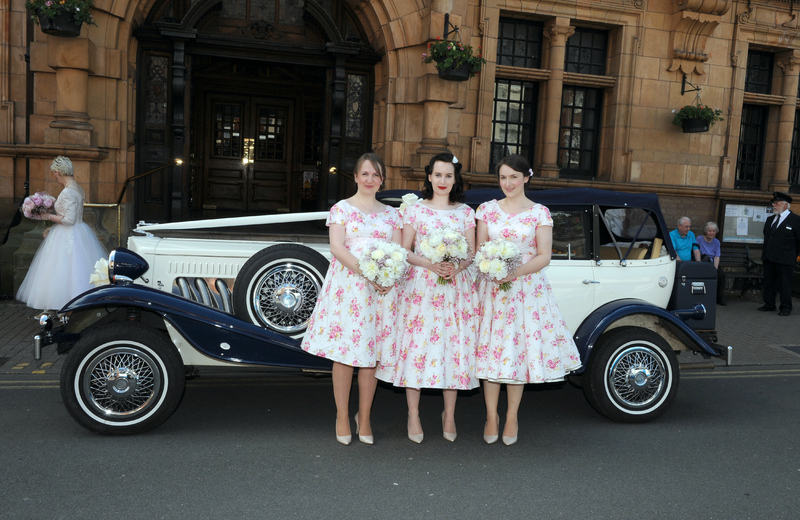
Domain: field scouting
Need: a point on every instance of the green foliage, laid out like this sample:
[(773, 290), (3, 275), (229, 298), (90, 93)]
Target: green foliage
[(449, 55), (704, 112), (80, 9)]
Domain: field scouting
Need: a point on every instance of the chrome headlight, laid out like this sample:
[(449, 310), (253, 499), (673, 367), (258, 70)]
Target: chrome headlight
[(125, 266)]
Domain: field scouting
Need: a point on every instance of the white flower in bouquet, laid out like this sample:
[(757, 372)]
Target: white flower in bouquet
[(384, 263), (409, 199), (496, 259), (444, 245), (100, 274)]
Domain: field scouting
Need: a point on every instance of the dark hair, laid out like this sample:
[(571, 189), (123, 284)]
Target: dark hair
[(376, 162), (517, 163), (457, 193)]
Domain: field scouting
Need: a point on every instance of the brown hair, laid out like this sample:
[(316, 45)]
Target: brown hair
[(376, 162)]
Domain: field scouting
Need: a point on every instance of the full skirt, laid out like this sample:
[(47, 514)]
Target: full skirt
[(61, 268)]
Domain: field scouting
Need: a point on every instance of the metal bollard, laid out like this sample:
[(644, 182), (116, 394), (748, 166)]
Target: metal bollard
[(729, 359), (37, 347)]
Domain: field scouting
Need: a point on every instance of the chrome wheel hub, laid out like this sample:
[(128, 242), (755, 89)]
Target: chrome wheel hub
[(636, 377), (284, 297), (287, 299), (121, 381)]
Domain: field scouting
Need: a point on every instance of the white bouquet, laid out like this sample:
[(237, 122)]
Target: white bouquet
[(384, 263), (444, 245), (409, 199), (100, 275), (496, 259)]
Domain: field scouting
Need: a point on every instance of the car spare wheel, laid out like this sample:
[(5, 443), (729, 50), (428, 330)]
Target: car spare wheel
[(278, 287), (122, 378), (632, 375)]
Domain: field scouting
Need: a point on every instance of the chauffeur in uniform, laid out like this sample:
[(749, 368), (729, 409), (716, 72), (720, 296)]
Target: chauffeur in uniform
[(781, 247)]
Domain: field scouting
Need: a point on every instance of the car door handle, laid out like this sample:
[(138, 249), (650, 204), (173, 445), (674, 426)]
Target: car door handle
[(587, 281)]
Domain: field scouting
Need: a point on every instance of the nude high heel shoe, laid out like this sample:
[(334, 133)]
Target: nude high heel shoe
[(448, 436), (415, 437), (343, 439), (508, 441), (491, 439), (366, 439)]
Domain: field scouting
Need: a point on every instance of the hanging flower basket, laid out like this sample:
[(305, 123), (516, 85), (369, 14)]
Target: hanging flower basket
[(61, 17), (696, 118), (454, 60), (61, 24), (694, 125), (460, 73)]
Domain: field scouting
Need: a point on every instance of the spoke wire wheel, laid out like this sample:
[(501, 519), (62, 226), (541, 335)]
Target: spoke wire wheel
[(632, 375), (636, 377), (121, 383), (284, 297), (277, 288)]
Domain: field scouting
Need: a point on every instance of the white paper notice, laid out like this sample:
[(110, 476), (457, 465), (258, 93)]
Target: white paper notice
[(741, 226), (732, 210)]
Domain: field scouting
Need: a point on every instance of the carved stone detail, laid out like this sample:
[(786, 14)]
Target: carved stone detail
[(712, 7), (789, 62), (694, 21)]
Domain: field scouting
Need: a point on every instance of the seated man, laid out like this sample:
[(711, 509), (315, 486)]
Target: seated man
[(684, 241)]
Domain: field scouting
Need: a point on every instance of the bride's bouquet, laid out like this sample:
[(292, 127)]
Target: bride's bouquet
[(384, 263), (444, 245), (38, 204), (496, 259)]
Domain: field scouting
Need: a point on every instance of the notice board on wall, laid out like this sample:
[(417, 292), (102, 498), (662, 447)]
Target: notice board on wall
[(744, 223)]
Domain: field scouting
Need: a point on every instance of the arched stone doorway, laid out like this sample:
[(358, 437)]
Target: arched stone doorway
[(261, 99)]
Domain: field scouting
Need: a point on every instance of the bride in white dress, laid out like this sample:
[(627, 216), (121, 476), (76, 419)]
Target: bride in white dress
[(65, 259)]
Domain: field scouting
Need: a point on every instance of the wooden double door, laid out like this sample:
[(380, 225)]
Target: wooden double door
[(249, 160)]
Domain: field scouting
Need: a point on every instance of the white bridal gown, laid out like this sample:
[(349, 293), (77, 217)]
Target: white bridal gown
[(65, 259)]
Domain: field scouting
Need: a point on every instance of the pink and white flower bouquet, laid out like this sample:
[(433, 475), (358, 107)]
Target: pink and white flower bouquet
[(444, 245), (384, 263), (496, 259), (38, 204)]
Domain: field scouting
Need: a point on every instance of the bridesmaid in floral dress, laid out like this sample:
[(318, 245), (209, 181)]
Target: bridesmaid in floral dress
[(348, 325), (522, 337), (436, 344)]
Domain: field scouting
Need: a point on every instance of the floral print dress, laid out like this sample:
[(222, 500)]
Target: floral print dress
[(351, 322), (438, 323), (522, 337)]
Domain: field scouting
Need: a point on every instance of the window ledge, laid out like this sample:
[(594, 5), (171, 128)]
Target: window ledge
[(762, 99)]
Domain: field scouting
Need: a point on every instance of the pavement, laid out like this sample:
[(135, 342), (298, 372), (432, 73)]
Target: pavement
[(759, 339)]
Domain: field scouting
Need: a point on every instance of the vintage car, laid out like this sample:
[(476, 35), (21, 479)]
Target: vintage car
[(201, 294)]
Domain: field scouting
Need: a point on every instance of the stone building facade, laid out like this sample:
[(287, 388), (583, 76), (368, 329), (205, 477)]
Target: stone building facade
[(266, 103)]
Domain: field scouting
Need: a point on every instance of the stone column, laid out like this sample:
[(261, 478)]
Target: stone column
[(790, 64), (557, 31), (71, 59)]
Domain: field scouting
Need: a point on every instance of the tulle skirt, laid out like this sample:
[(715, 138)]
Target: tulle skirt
[(62, 266)]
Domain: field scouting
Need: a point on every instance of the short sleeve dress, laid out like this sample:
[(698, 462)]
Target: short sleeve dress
[(522, 336), (435, 347), (65, 259), (348, 323)]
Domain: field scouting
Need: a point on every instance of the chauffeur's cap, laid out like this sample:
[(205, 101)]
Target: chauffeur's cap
[(779, 195)]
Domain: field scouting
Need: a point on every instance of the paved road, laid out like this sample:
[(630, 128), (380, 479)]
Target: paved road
[(264, 448)]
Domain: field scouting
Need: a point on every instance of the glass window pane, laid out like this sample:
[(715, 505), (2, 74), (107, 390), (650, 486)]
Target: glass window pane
[(513, 120), (520, 43)]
